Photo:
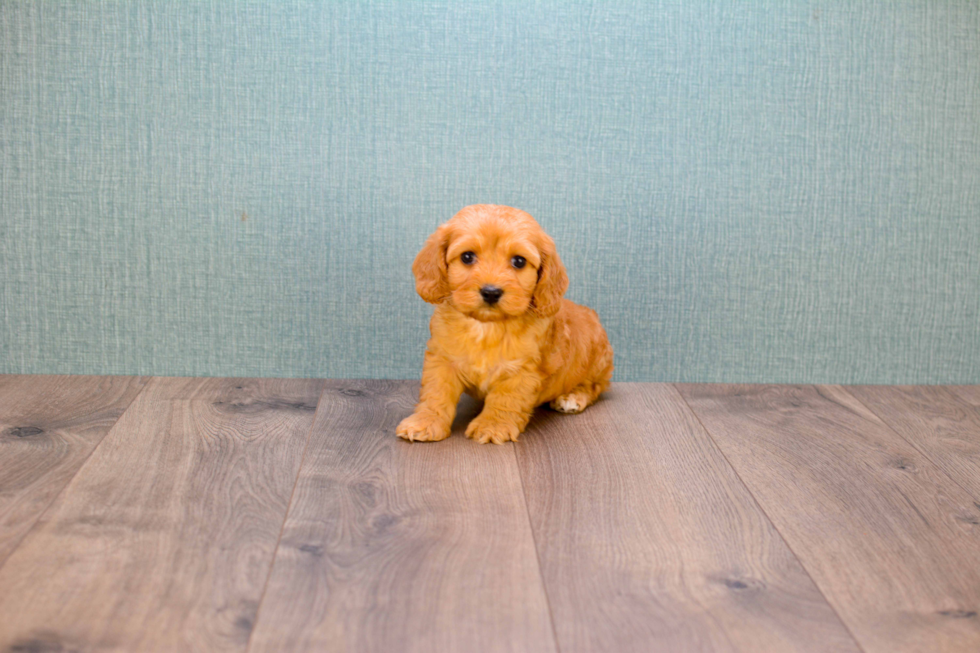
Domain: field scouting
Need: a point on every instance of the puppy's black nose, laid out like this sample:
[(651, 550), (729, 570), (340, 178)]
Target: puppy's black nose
[(491, 294)]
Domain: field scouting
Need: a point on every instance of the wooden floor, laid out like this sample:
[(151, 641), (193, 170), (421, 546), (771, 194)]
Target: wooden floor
[(169, 514)]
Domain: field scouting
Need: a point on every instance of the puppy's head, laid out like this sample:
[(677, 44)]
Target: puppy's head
[(491, 263)]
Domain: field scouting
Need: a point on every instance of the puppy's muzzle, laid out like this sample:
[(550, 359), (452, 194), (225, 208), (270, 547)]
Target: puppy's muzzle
[(491, 294)]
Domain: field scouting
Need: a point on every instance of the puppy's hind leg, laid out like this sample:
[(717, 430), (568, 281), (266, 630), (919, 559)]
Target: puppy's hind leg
[(585, 394), (573, 402)]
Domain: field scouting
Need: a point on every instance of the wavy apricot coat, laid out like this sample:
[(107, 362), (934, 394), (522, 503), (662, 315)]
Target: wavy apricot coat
[(529, 348)]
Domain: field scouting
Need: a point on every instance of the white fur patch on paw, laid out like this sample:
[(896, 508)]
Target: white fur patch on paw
[(568, 404)]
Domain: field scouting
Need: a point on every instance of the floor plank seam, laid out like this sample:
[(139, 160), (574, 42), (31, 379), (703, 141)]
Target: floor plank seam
[(755, 500), (537, 555), (285, 517), (940, 468), (54, 499)]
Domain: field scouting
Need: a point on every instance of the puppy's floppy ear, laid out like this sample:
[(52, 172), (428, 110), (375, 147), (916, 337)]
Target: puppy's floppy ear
[(429, 268), (552, 281)]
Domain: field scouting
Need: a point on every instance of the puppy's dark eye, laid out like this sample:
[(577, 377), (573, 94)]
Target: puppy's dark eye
[(467, 257), (518, 262)]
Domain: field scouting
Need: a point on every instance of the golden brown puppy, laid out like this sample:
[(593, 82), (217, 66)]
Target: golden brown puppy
[(501, 331)]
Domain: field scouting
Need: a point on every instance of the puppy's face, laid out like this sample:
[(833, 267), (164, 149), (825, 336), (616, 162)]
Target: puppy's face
[(491, 263), (492, 269)]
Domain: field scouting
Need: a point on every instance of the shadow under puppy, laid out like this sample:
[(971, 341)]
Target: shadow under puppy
[(501, 330)]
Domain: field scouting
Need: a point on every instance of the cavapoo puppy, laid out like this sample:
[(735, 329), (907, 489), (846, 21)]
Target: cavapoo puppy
[(501, 330)]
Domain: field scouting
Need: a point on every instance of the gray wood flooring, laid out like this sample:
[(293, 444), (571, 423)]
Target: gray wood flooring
[(175, 514)]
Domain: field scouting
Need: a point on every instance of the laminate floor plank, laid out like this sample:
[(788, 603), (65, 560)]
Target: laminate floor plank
[(164, 538), (936, 422), (968, 393), (48, 427), (648, 541), (398, 546), (891, 541)]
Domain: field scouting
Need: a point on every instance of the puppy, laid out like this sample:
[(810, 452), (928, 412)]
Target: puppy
[(501, 330)]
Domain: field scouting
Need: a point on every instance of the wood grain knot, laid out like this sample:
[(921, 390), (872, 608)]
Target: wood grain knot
[(351, 392), (739, 584), (23, 431), (312, 549), (903, 464), (301, 406), (959, 614), (384, 522), (37, 645), (366, 492), (248, 407), (244, 623)]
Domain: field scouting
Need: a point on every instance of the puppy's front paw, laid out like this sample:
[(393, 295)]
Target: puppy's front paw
[(485, 430), (419, 427)]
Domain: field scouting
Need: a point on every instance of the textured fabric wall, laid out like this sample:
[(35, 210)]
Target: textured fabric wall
[(769, 192)]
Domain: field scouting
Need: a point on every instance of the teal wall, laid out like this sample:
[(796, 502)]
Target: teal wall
[(778, 191)]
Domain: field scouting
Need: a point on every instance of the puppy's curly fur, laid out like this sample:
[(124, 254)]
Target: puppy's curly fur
[(501, 330)]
